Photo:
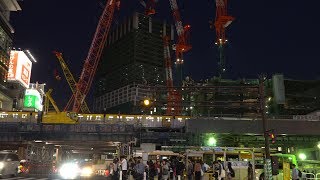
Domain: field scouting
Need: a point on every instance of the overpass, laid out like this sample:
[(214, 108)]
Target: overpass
[(23, 126)]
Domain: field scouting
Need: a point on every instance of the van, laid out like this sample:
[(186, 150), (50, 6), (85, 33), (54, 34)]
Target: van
[(9, 163)]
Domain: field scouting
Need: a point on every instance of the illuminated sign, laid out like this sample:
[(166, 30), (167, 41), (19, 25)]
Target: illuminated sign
[(19, 68), (32, 99)]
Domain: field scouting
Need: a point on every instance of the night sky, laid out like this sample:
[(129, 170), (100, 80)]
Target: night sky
[(266, 36)]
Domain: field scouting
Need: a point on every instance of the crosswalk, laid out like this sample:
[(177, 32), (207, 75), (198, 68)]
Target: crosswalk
[(28, 178)]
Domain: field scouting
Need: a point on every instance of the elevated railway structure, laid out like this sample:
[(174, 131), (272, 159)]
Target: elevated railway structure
[(24, 126)]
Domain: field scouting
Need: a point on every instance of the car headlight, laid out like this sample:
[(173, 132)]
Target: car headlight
[(1, 165), (86, 171), (69, 171)]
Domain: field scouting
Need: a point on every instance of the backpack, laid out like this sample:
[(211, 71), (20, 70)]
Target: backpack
[(299, 173)]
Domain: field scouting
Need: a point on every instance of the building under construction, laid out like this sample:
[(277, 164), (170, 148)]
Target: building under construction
[(282, 96), (133, 56)]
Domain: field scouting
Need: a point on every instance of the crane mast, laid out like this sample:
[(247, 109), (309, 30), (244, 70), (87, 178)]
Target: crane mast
[(95, 51), (222, 21), (72, 83), (173, 96)]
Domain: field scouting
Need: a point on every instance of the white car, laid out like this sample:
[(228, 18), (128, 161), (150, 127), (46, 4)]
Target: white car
[(9, 163)]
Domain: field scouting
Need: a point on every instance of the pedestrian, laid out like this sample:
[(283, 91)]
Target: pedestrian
[(190, 170), (215, 170), (295, 173), (197, 170), (222, 171), (250, 171), (124, 167), (230, 172), (164, 170), (180, 168), (114, 170), (139, 169), (152, 170)]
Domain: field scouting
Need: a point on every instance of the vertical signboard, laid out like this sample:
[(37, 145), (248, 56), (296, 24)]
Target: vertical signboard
[(19, 68), (33, 99)]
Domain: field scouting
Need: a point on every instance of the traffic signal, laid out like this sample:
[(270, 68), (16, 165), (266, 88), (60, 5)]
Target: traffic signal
[(272, 137)]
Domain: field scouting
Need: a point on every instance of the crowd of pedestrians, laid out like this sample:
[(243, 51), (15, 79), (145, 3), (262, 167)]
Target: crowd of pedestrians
[(166, 169)]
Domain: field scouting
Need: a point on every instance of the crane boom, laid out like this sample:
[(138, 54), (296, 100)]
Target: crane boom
[(183, 44), (95, 51), (50, 99), (72, 83)]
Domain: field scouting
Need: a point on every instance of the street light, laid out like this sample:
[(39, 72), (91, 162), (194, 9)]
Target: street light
[(212, 141), (302, 156), (318, 145), (146, 102)]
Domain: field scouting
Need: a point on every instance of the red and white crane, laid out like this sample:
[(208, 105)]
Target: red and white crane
[(95, 51), (222, 21), (183, 44)]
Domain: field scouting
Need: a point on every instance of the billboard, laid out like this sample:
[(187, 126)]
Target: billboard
[(32, 99), (19, 68)]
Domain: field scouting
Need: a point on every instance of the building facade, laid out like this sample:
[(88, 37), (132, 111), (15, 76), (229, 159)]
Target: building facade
[(133, 56), (6, 38)]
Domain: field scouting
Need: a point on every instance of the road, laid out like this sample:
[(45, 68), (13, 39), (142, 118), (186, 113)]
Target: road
[(51, 178)]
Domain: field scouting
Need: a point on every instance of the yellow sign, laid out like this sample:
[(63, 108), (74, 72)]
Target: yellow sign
[(286, 171)]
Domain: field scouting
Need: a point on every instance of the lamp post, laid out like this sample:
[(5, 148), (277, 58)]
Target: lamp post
[(267, 161)]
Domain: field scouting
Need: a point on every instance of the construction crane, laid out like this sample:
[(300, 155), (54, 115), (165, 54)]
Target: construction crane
[(56, 117), (173, 96), (222, 21), (72, 83), (95, 51), (49, 100), (183, 44), (149, 6)]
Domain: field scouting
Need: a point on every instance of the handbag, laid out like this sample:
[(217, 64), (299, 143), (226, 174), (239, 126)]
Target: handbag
[(201, 172)]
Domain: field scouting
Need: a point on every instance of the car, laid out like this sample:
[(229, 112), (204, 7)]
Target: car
[(9, 163)]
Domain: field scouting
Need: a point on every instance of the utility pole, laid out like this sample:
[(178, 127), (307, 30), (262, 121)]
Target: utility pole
[(267, 162)]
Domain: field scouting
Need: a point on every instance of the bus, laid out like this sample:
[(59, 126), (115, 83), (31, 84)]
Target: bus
[(241, 157)]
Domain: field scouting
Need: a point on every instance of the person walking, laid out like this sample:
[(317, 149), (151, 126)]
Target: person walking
[(124, 167), (190, 170), (294, 173), (164, 170), (139, 169), (250, 171), (197, 170), (222, 172), (230, 172), (180, 168)]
